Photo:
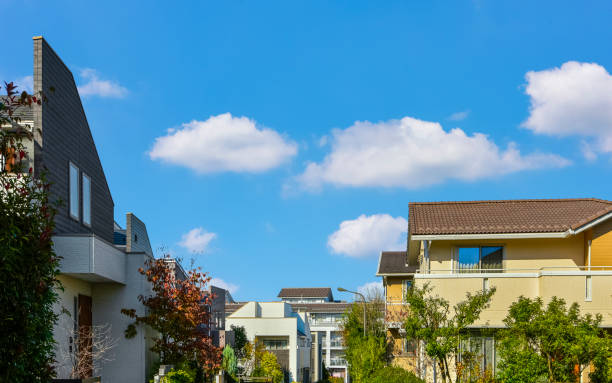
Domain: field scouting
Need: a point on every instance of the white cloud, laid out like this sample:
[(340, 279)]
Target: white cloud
[(224, 143), (372, 290), (412, 153), (197, 240), (232, 288), (459, 116), (369, 235), (101, 88), (25, 83), (575, 99)]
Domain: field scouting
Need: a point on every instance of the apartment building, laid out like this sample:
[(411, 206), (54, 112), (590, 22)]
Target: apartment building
[(325, 317), (100, 260), (281, 330), (534, 248)]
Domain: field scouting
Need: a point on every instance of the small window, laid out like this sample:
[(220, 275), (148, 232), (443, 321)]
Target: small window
[(485, 284), (74, 191), (409, 347), (406, 285), (86, 200), (588, 294)]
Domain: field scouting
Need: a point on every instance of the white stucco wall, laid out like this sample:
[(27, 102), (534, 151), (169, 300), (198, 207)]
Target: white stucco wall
[(272, 319)]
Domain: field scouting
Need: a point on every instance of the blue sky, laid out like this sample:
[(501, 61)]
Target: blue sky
[(282, 141)]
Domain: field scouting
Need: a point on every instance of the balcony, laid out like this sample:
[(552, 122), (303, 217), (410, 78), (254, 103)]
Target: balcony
[(89, 258), (337, 362), (588, 286), (336, 343)]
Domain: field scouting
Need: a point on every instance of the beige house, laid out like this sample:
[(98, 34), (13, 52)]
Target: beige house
[(532, 248)]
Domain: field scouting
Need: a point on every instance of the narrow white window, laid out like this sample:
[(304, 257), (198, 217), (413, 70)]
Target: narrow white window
[(74, 191), (485, 284), (588, 290), (86, 200)]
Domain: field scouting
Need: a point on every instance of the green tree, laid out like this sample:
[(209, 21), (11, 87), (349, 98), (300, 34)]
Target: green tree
[(28, 263), (240, 340), (391, 374), (230, 363), (365, 354), (431, 319), (269, 366), (552, 343)]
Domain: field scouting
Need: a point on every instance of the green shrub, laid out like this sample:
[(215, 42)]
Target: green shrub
[(178, 376), (390, 374)]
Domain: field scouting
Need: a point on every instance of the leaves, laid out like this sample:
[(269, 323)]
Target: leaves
[(178, 310)]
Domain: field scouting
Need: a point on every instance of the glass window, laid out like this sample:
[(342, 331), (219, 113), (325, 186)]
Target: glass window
[(406, 284), (74, 191), (468, 259), (476, 259), (86, 200), (491, 257)]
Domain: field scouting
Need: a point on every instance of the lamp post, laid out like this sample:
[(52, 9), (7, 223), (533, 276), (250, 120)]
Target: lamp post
[(343, 290)]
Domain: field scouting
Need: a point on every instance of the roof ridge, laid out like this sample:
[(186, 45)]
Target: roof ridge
[(510, 201)]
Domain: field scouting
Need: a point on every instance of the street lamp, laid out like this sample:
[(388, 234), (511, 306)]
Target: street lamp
[(343, 290)]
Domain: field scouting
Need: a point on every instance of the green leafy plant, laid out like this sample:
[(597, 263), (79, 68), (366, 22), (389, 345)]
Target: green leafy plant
[(392, 374), (552, 343), (268, 366), (230, 363), (431, 319), (28, 263), (365, 354)]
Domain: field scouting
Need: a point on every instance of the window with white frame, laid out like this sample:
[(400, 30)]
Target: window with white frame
[(86, 200), (476, 259), (74, 191)]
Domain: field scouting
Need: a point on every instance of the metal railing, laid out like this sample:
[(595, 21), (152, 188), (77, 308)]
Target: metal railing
[(566, 270)]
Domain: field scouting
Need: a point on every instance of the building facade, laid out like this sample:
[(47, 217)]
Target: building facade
[(281, 330), (325, 318), (533, 248), (99, 260)]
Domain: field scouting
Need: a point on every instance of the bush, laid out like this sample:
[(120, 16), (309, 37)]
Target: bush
[(178, 376), (390, 374)]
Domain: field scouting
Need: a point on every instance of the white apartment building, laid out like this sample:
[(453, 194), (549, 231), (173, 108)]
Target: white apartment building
[(324, 317), (282, 331)]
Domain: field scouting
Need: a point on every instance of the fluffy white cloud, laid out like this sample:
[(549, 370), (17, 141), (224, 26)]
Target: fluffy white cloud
[(197, 240), (575, 99), (369, 235), (459, 116), (94, 86), (232, 288), (372, 290), (413, 153), (224, 143)]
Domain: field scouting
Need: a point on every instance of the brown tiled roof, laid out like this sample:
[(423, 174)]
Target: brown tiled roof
[(509, 216), (305, 292), (394, 262), (331, 307)]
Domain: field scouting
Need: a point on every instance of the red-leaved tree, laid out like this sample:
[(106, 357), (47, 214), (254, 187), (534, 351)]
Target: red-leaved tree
[(178, 310)]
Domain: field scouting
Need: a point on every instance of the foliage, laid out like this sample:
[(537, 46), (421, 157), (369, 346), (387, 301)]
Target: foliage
[(268, 366), (553, 343), (28, 263), (230, 363), (365, 355), (391, 374), (335, 379), (430, 318), (179, 376), (240, 340), (178, 311)]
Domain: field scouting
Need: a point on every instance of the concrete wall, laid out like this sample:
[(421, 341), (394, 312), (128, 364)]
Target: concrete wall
[(131, 359), (68, 314), (66, 137), (91, 258)]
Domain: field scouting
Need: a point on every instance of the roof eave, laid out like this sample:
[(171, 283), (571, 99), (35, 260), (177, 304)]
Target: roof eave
[(448, 237)]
